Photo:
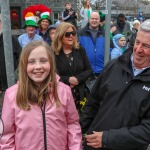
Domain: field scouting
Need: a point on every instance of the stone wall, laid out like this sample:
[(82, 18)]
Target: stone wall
[(55, 5)]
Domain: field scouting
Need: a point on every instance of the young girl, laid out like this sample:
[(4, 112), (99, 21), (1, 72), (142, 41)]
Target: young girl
[(119, 42), (39, 112)]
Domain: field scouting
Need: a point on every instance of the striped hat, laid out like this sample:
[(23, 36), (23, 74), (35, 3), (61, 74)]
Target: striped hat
[(45, 15), (30, 20)]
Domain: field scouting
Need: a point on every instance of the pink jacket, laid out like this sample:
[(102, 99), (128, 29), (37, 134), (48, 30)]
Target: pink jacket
[(23, 130)]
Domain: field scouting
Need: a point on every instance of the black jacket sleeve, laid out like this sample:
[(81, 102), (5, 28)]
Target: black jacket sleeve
[(94, 99)]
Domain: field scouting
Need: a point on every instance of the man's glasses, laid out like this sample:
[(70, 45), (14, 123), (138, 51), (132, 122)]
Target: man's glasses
[(68, 34)]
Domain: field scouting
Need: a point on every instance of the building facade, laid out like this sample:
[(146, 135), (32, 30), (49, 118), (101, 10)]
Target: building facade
[(16, 8)]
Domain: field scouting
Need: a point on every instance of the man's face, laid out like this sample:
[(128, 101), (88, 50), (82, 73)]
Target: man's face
[(141, 50), (121, 20), (30, 30), (68, 6), (94, 20)]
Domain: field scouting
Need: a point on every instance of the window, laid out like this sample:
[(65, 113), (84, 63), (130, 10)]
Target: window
[(55, 17), (15, 16)]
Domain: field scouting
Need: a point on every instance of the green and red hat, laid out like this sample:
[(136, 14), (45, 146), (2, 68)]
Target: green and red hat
[(30, 20), (45, 15)]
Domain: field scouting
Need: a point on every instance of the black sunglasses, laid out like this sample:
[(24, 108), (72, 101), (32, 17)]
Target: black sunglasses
[(68, 34)]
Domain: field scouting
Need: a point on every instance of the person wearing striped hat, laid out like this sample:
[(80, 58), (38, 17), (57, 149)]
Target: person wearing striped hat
[(44, 23), (30, 27)]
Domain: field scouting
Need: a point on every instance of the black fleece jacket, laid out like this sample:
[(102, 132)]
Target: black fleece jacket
[(119, 105)]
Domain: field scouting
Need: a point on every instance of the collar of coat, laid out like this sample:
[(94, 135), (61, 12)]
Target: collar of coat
[(125, 63)]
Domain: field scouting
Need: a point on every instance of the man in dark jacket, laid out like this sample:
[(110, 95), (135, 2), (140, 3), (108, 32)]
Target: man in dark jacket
[(122, 26), (69, 15), (16, 54), (117, 113)]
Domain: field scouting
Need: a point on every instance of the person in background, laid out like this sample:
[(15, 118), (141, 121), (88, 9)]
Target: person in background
[(30, 27), (140, 17), (102, 23), (92, 38), (59, 21), (16, 53), (39, 104), (136, 25), (122, 26), (119, 42), (44, 23), (71, 61), (51, 31), (117, 113), (85, 13), (37, 16), (69, 15)]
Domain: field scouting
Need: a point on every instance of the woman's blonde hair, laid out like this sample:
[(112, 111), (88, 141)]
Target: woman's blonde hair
[(85, 4), (30, 93), (57, 44)]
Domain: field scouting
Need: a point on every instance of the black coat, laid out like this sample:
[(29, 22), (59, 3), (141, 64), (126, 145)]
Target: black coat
[(16, 54), (81, 68), (119, 105), (133, 37)]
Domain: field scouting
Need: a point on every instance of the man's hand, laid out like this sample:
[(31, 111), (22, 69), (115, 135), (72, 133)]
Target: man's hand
[(73, 80), (70, 13), (94, 140), (113, 29)]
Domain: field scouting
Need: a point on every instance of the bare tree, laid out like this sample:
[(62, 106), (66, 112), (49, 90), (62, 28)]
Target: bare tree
[(97, 4)]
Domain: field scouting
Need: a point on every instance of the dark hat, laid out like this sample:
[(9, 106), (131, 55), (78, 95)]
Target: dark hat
[(102, 16)]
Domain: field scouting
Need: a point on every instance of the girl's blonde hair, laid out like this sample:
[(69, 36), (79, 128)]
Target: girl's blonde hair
[(28, 92), (57, 44)]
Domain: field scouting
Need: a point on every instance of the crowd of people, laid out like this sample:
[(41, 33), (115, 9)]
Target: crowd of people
[(45, 110)]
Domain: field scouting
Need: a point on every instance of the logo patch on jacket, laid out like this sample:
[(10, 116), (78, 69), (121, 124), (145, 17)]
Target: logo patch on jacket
[(146, 88)]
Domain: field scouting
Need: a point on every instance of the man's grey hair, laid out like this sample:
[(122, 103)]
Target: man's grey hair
[(145, 26)]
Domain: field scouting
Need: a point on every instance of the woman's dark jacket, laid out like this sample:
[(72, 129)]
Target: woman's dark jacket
[(81, 68), (119, 105)]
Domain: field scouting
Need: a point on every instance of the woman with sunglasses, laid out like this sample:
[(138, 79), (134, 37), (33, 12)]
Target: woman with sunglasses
[(71, 61)]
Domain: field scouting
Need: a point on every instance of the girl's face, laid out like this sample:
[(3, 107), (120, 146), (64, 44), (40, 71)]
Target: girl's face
[(38, 67), (45, 24), (122, 42)]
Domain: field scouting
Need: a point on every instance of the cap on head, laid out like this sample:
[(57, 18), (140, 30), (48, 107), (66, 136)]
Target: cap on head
[(52, 27), (102, 16), (30, 20), (45, 15)]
